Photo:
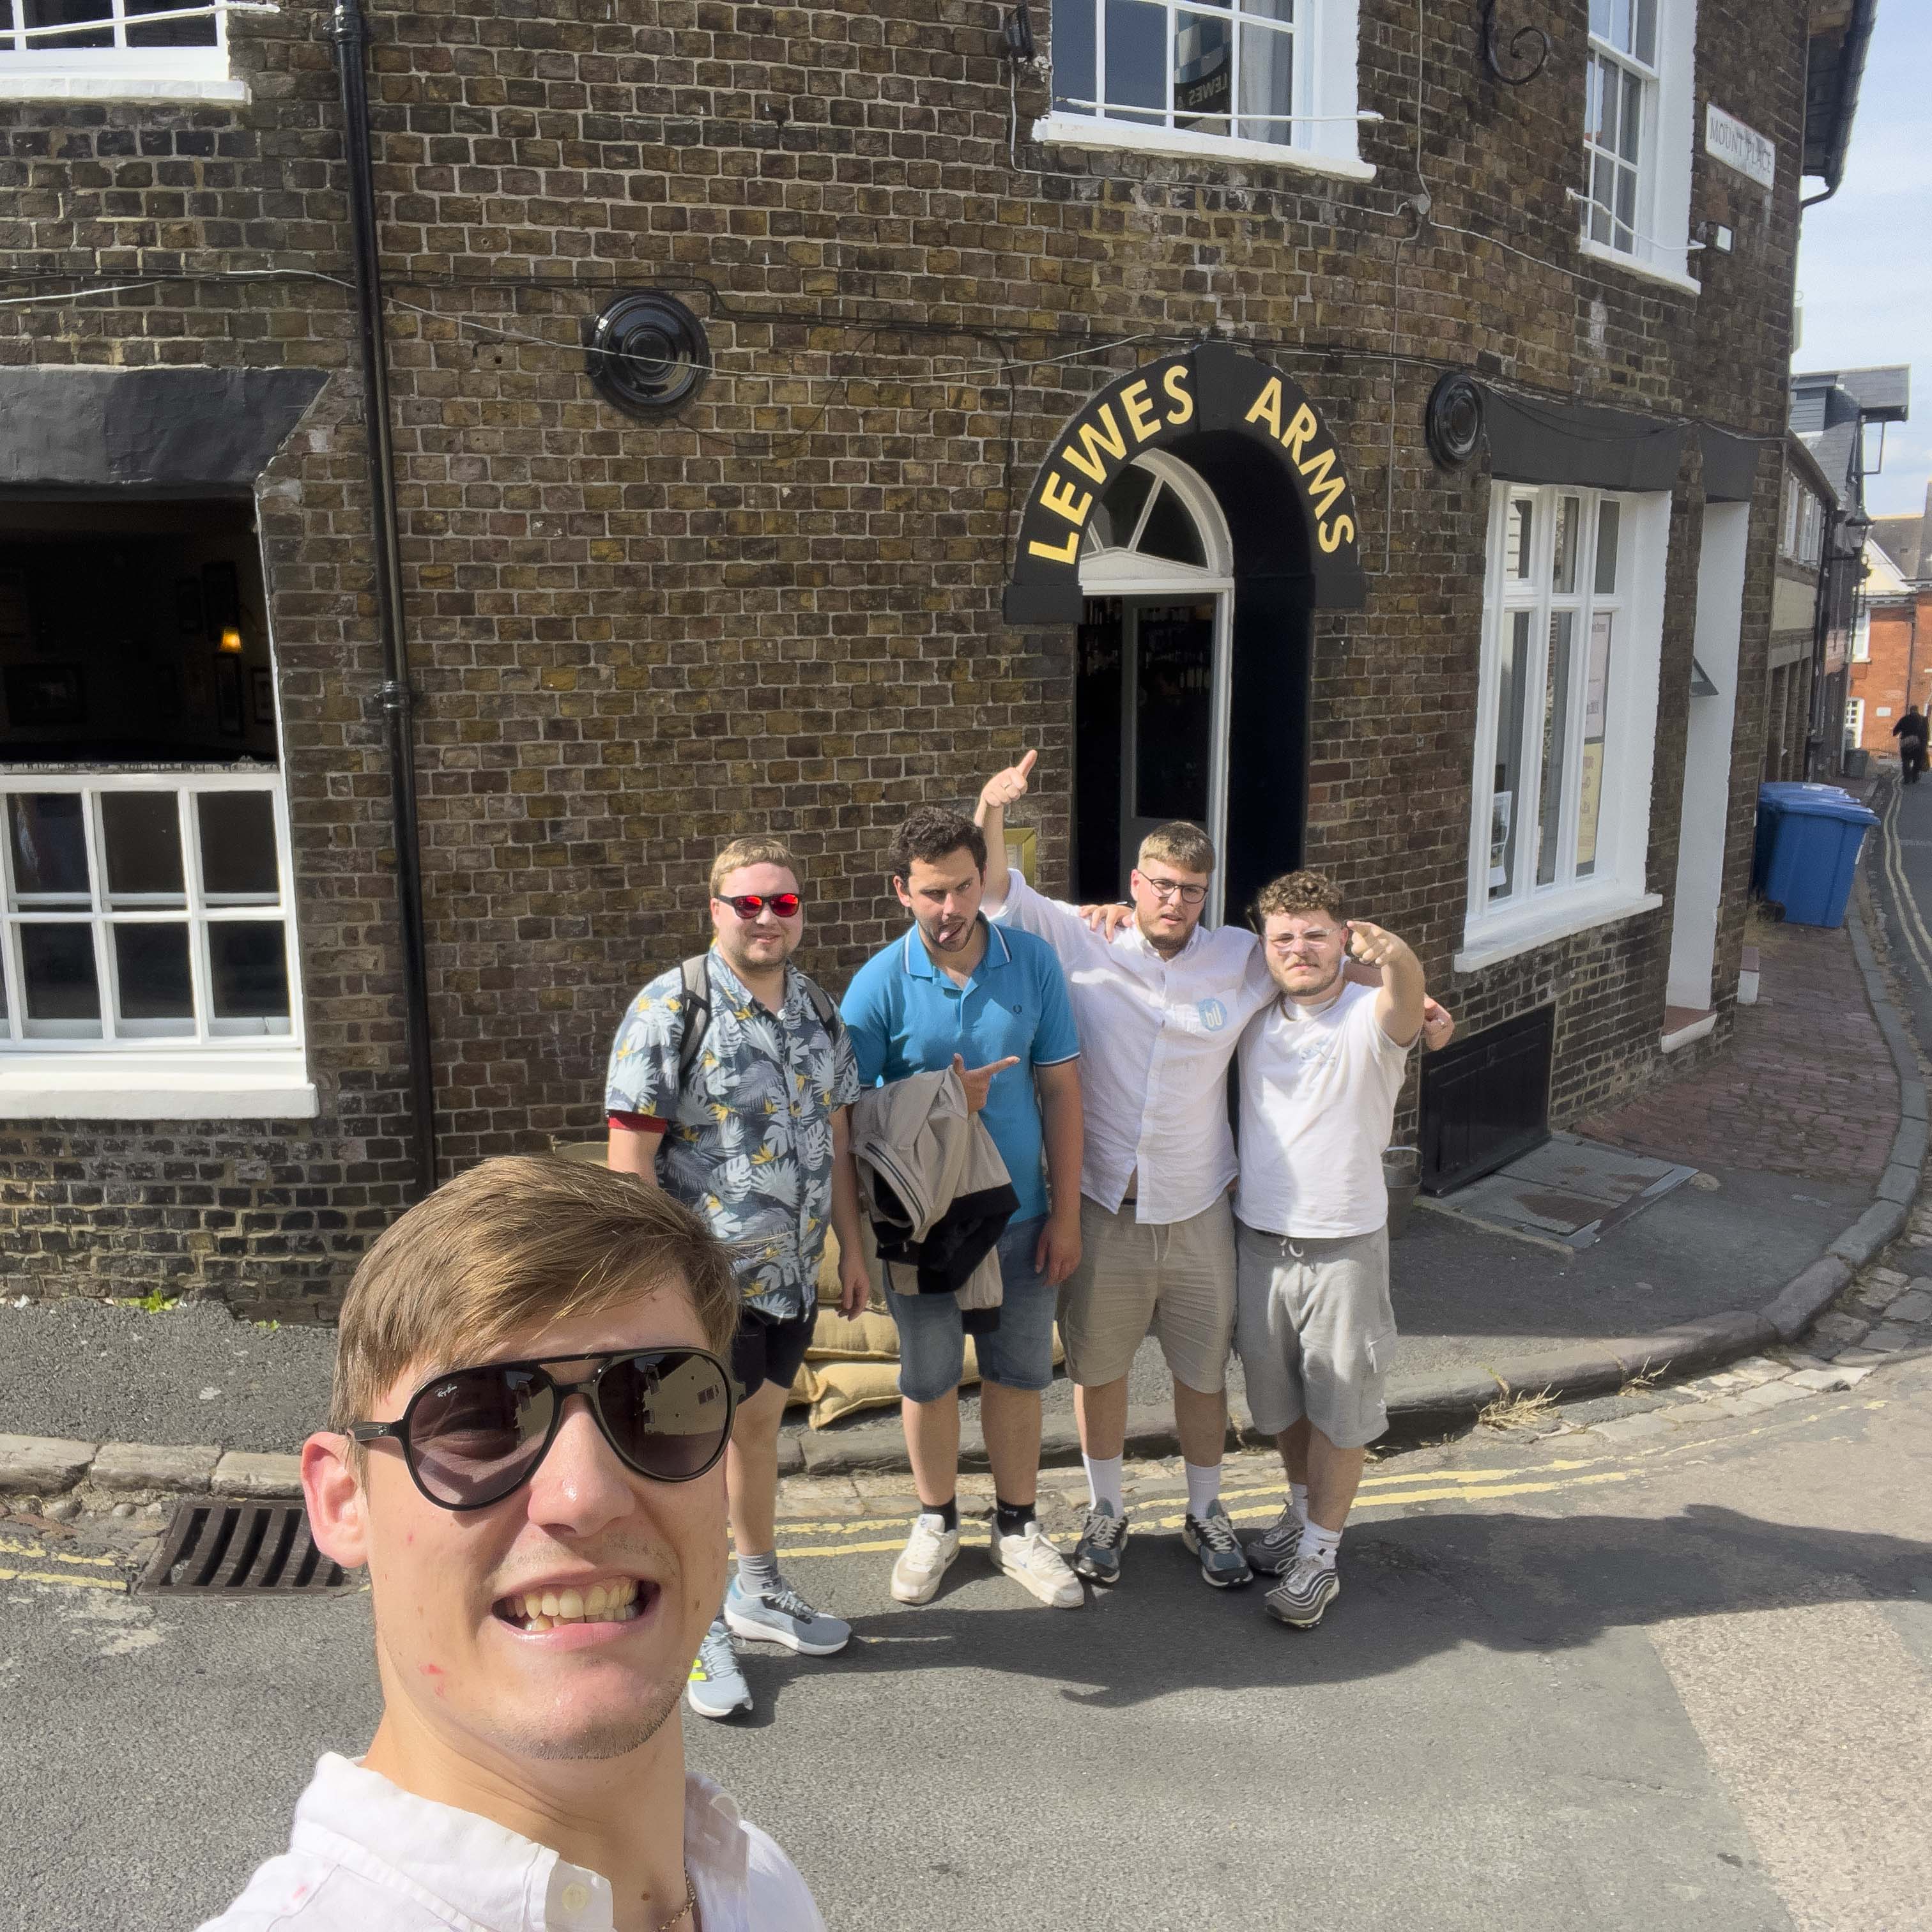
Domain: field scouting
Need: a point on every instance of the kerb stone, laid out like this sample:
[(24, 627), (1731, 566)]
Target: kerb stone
[(154, 1465), (41, 1465), (246, 1472)]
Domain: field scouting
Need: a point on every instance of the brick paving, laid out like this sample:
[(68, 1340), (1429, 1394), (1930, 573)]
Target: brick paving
[(1806, 1088)]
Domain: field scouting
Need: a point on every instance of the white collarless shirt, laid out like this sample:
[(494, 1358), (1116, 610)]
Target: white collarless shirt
[(1318, 1090), (1155, 1038), (365, 1856)]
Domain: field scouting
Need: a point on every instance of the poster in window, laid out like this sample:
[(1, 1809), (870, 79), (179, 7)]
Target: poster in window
[(1502, 815), (1596, 707)]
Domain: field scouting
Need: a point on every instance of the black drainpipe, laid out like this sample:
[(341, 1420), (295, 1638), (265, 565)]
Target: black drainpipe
[(349, 32)]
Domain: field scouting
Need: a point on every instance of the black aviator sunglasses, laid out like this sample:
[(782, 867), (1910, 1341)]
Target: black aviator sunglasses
[(472, 1436)]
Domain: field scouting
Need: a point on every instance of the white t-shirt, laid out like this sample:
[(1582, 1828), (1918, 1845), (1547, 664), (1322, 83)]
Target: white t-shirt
[(1318, 1090)]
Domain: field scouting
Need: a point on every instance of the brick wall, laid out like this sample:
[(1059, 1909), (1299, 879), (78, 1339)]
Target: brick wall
[(783, 607), (1900, 648)]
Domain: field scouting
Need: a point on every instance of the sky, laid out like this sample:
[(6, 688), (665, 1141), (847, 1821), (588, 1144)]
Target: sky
[(1864, 269)]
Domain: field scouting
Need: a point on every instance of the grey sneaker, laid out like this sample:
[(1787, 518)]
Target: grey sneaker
[(1275, 1549), (1212, 1539), (1103, 1535), (717, 1687), (783, 1616), (1309, 1587)]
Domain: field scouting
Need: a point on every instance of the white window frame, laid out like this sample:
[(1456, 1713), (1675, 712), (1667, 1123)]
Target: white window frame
[(1855, 723), (34, 67), (1862, 637), (1658, 236), (1788, 540), (1810, 534), (213, 1068), (1529, 915), (1325, 103)]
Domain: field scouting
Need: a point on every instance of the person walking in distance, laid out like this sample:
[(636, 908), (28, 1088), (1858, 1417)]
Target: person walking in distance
[(1161, 1002), (991, 1004), (1322, 1067), (729, 1084), (1911, 731)]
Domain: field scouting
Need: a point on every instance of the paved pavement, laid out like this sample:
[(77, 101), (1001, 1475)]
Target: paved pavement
[(1671, 1669)]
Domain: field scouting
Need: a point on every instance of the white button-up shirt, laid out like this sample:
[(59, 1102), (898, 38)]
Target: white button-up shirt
[(365, 1856), (1155, 1038)]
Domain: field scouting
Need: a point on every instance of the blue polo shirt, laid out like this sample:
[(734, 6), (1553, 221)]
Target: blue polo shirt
[(905, 1016)]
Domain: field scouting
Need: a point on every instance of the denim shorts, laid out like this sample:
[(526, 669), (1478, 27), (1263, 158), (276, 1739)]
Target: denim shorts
[(1018, 1355)]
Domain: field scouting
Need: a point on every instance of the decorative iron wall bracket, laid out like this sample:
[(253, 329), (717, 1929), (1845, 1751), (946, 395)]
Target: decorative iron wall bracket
[(1494, 53)]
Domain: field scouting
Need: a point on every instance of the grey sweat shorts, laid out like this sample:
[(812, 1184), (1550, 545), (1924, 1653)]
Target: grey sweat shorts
[(1314, 1332)]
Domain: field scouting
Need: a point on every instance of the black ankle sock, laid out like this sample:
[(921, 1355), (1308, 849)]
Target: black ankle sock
[(947, 1512), (1009, 1518)]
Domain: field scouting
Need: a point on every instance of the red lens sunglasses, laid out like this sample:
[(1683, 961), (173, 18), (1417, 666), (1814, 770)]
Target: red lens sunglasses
[(748, 905)]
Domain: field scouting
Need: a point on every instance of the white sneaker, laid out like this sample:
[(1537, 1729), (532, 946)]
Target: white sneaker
[(924, 1562), (1033, 1563)]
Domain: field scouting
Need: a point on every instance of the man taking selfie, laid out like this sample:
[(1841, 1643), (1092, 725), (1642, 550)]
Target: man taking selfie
[(531, 1407)]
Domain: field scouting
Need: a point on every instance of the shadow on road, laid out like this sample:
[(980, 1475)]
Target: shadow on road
[(1507, 1582)]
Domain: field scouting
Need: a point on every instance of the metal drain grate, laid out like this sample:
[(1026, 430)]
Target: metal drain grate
[(217, 1547)]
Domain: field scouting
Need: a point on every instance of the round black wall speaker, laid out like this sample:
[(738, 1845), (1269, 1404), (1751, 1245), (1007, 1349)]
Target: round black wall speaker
[(1453, 421), (647, 354)]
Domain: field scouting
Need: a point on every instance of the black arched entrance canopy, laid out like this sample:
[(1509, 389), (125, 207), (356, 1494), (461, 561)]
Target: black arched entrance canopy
[(1211, 394)]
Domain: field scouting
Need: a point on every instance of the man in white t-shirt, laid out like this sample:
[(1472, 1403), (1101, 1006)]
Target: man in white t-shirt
[(1161, 1000), (1320, 1069)]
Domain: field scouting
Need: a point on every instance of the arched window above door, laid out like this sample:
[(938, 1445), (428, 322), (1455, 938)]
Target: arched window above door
[(1156, 520)]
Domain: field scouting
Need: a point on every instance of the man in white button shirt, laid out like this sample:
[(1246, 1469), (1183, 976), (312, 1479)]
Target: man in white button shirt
[(1322, 1068), (533, 1400), (1161, 1003), (1160, 1006)]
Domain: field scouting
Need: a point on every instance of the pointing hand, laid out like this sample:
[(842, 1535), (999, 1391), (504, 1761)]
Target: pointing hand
[(976, 1082)]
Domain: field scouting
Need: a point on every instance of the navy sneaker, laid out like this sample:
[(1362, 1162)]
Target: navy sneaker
[(1103, 1535), (1212, 1539)]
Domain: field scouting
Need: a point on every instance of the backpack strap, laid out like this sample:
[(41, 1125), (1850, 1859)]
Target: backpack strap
[(822, 1005), (695, 1018)]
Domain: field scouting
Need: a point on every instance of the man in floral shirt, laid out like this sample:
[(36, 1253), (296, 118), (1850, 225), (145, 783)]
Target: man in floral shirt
[(748, 1123)]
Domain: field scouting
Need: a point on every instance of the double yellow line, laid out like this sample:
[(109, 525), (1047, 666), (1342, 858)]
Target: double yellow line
[(86, 1575), (856, 1537), (1917, 941)]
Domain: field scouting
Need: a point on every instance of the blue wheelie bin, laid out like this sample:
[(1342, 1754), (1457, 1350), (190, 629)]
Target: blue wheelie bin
[(1808, 837)]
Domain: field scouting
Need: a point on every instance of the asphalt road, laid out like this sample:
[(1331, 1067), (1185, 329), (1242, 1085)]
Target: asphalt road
[(1571, 1682), (1900, 870)]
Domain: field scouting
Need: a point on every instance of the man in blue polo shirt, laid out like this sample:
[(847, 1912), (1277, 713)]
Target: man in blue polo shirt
[(991, 1002)]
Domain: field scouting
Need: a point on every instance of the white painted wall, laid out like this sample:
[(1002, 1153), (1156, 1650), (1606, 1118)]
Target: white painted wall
[(1707, 761)]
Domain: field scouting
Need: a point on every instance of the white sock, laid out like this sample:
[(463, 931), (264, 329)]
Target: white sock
[(1204, 1488), (1320, 1543), (1103, 1482), (1298, 1495)]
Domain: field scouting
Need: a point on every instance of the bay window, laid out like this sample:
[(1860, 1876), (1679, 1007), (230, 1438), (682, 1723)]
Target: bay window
[(1572, 630)]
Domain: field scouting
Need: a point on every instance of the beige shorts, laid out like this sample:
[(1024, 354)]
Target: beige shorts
[(1316, 1332), (1177, 1279)]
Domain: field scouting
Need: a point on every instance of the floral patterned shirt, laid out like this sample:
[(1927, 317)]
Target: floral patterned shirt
[(748, 1142)]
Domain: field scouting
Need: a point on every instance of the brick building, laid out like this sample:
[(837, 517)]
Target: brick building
[(1344, 430), (1892, 648)]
